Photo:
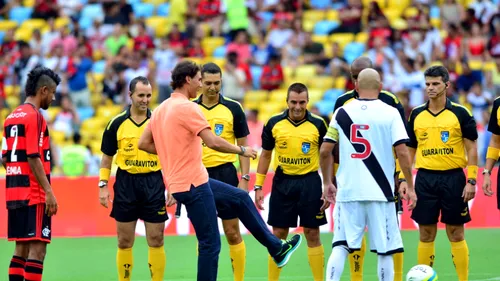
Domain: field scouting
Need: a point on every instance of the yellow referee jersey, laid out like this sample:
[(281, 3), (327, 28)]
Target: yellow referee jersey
[(296, 144), (121, 136), (494, 123), (438, 138), (228, 121)]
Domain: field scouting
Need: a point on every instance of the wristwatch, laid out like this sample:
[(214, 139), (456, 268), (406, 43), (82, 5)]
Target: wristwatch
[(486, 171), (257, 187), (246, 177), (102, 184), (401, 180), (471, 181), (243, 149)]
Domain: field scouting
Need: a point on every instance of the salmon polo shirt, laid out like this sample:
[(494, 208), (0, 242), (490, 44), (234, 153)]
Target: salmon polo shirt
[(175, 125)]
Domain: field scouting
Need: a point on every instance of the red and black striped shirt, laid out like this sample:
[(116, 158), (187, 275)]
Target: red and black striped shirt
[(25, 135)]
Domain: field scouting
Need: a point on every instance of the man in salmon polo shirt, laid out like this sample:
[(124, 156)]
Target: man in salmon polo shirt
[(175, 134)]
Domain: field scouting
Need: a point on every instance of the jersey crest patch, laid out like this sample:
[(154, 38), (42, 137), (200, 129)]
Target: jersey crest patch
[(219, 128), (306, 147), (445, 136)]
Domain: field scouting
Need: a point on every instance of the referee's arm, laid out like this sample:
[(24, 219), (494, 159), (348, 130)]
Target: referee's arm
[(109, 146), (241, 132), (146, 142), (268, 143), (469, 133)]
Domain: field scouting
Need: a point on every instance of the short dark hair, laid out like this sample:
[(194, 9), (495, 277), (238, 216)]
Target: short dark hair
[(39, 77), (77, 138), (438, 71), (181, 71), (211, 68), (136, 80), (298, 88)]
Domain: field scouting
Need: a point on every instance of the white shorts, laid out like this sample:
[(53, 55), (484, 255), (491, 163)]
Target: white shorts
[(351, 219)]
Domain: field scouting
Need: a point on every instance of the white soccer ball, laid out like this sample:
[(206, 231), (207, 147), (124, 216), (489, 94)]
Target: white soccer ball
[(421, 272)]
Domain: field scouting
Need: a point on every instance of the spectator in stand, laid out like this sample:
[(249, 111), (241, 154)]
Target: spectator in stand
[(292, 53), (67, 40), (195, 50), (452, 12), (241, 46), (4, 73), (70, 8), (272, 74), (255, 127), (67, 120), (178, 40), (314, 53), (233, 78), (9, 46), (350, 17), (337, 66), (475, 44), (5, 6), (134, 69), (209, 12), (165, 61), (143, 41), (453, 43), (117, 39), (75, 158), (23, 65), (494, 41), (261, 50), (45, 9), (480, 100), (58, 62), (279, 37), (78, 67), (468, 78)]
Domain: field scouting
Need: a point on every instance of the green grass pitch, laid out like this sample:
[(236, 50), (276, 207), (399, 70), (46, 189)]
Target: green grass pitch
[(84, 259)]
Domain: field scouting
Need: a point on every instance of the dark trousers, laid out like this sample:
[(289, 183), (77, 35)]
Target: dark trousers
[(201, 204)]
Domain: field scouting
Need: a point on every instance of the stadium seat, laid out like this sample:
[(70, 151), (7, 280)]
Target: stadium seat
[(34, 24), (476, 64), (155, 21), (163, 9), (332, 15), (92, 11), (209, 44), (489, 66), (308, 25), (52, 112), (353, 50), (99, 66), (266, 17), (57, 137), (320, 4), (220, 52), (132, 2), (322, 39), (143, 10), (434, 12), (321, 82), (107, 112), (23, 34), (324, 27), (2, 35), (29, 3), (325, 107), (342, 39), (332, 94), (362, 37), (314, 15), (256, 96), (7, 24), (19, 14), (61, 22), (13, 101), (305, 71), (256, 72), (392, 13), (93, 124), (340, 82), (277, 96), (85, 113), (155, 2), (315, 94)]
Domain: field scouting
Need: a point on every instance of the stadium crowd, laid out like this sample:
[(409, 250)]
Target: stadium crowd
[(97, 47)]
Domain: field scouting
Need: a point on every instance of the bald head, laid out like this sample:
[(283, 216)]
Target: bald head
[(359, 64), (369, 79)]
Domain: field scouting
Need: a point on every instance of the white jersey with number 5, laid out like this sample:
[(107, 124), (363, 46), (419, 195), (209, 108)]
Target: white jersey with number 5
[(366, 131)]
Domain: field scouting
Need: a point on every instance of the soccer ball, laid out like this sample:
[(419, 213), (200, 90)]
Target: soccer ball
[(421, 272)]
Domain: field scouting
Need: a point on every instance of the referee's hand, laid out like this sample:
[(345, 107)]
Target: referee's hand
[(104, 196), (469, 192), (171, 200)]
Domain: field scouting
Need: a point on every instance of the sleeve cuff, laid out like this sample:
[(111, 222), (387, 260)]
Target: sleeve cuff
[(33, 155), (329, 140), (401, 141), (201, 129)]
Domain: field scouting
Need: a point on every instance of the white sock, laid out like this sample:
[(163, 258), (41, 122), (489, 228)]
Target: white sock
[(385, 268), (336, 263)]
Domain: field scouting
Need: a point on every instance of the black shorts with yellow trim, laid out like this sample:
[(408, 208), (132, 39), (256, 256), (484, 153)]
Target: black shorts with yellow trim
[(440, 193), (139, 196), (294, 197), (225, 173), (29, 223)]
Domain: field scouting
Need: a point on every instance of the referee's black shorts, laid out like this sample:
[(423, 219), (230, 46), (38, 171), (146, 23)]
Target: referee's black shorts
[(293, 197), (440, 192), (139, 196), (225, 173)]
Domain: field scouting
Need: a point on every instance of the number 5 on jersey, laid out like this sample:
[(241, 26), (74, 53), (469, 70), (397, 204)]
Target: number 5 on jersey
[(355, 139)]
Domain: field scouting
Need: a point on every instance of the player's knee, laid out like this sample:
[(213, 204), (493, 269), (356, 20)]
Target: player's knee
[(233, 235), (455, 233), (155, 239), (281, 233), (125, 242), (427, 233), (312, 236), (22, 249), (37, 251)]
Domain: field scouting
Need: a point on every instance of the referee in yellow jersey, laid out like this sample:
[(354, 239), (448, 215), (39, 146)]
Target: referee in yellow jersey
[(295, 135), (228, 121), (356, 259), (493, 152), (443, 137), (139, 191)]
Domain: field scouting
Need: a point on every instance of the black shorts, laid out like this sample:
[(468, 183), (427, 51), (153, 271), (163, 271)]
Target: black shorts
[(440, 192), (296, 196), (225, 173), (29, 223), (139, 196)]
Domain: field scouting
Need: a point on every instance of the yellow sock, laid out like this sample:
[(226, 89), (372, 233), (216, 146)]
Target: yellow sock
[(273, 271), (124, 263), (156, 260), (398, 266), (356, 261), (316, 258), (238, 260), (460, 256), (426, 253)]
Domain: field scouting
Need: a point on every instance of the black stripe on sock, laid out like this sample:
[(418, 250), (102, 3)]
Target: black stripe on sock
[(371, 163), (34, 266)]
